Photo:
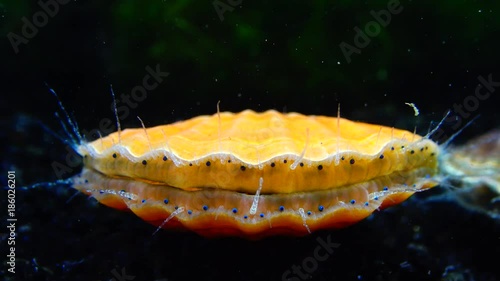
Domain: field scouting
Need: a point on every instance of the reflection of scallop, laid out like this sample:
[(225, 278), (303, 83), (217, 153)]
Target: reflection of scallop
[(475, 167), (220, 175)]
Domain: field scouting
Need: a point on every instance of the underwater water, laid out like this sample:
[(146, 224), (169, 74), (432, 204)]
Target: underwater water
[(173, 60)]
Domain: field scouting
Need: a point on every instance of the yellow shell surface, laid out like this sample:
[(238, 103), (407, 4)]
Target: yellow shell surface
[(241, 148)]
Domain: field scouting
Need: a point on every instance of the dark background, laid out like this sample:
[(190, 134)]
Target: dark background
[(281, 55)]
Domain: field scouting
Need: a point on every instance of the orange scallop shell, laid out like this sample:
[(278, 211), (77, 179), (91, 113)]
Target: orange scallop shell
[(257, 174)]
